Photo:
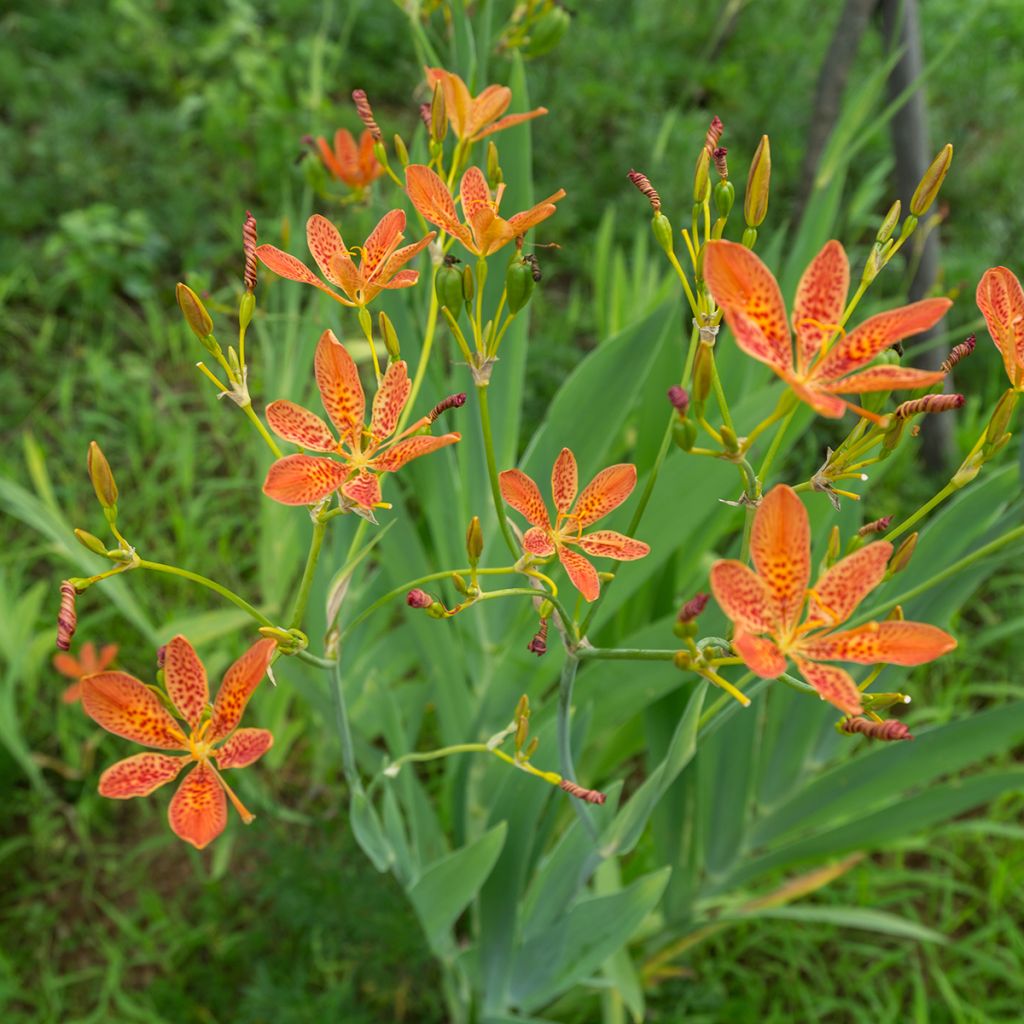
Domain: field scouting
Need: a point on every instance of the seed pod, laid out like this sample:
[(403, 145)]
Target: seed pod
[(518, 284), (755, 200), (101, 476), (448, 288), (468, 286), (703, 367), (547, 31), (662, 228), (725, 195), (928, 188), (684, 434), (474, 540), (194, 312)]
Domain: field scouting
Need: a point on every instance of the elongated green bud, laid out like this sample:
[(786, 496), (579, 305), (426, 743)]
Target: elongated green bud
[(901, 559), (468, 285), (90, 541), (928, 188), (438, 115), (401, 151), (892, 218), (390, 336), (701, 176), (755, 200), (494, 175), (474, 540), (194, 312), (729, 439), (547, 31), (518, 284), (995, 433), (101, 476)]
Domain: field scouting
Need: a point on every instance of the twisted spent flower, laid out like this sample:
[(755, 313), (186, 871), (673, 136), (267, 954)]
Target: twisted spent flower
[(766, 605), (885, 729), (209, 735), (606, 492)]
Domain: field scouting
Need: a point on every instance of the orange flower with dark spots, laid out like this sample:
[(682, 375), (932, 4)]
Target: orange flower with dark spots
[(355, 165), (475, 117), (606, 492), (380, 262), (483, 232), (209, 735), (820, 374), (1001, 301), (766, 605), (87, 662), (361, 452)]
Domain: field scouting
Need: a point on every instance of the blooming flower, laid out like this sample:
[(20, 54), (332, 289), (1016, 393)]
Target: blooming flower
[(87, 662), (475, 117), (127, 707), (607, 491), (1001, 302), (361, 452), (752, 304), (380, 264), (355, 165), (766, 603), (484, 231)]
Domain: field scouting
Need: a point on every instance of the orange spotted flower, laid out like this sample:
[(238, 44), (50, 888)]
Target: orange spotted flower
[(380, 263), (475, 117), (353, 164), (1001, 301), (766, 604), (751, 302), (360, 452), (87, 662), (607, 491), (209, 736), (484, 231)]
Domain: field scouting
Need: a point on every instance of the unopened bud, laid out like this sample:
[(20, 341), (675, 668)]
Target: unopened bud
[(895, 614), (418, 599), (1001, 416), (682, 660), (401, 150), (703, 371), (679, 399), (438, 115), (832, 549), (729, 439), (101, 476), (390, 336), (755, 200), (494, 175), (701, 178), (875, 526), (460, 584), (90, 541), (194, 312), (693, 608), (931, 182), (468, 285), (474, 540), (901, 559), (959, 352), (892, 218), (531, 749)]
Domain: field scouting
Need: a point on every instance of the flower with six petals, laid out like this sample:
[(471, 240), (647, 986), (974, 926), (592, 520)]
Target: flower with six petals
[(360, 452), (484, 231), (766, 605), (1001, 301), (380, 263), (209, 736), (607, 491), (751, 302), (355, 165), (475, 117), (87, 662)]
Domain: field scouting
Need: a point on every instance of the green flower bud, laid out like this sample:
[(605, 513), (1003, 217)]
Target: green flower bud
[(892, 218), (401, 151), (101, 476), (703, 364), (194, 312), (755, 200), (701, 177), (390, 336), (438, 115), (474, 540), (494, 175), (931, 182), (684, 434), (901, 559), (91, 541), (995, 433), (468, 285)]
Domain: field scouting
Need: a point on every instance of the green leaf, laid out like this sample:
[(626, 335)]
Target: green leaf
[(367, 830), (847, 917)]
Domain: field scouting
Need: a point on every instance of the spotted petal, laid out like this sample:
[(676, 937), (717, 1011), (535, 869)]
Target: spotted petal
[(412, 448), (431, 197), (885, 378), (388, 403), (363, 489), (476, 203), (780, 548), (564, 480), (199, 811), (888, 643), (488, 106), (1001, 301), (300, 426), (609, 544), (581, 572), (832, 683), (243, 747), (523, 495), (841, 589), (537, 540), (743, 596), (340, 389), (285, 265), (606, 492), (127, 707), (751, 301), (328, 249), (760, 655), (240, 680), (140, 775), (510, 121), (400, 257), (303, 479), (185, 679), (383, 241), (520, 223), (820, 300)]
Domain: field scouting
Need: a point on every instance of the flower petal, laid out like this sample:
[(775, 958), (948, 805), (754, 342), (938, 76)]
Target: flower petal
[(243, 747), (127, 707), (523, 495), (140, 775), (508, 122), (537, 540), (303, 479), (240, 680), (821, 402), (743, 596), (198, 812), (300, 426), (751, 301), (833, 684), (382, 243), (878, 333), (780, 548), (581, 572), (431, 197), (885, 378), (1001, 301), (340, 389), (609, 544), (285, 265), (388, 403), (68, 665), (760, 655), (400, 257), (477, 207), (841, 589), (457, 100), (72, 694), (412, 448), (185, 680), (363, 489), (820, 300), (403, 279), (488, 105), (520, 223), (606, 492), (883, 643), (326, 245), (564, 480)]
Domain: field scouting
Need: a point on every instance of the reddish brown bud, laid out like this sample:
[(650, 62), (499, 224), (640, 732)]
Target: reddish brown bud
[(418, 599), (539, 644), (643, 183), (161, 654), (425, 110), (365, 112), (67, 617), (961, 351), (877, 526), (693, 608), (718, 156), (679, 399), (249, 248), (451, 402), (888, 729), (930, 403), (714, 133), (592, 796)]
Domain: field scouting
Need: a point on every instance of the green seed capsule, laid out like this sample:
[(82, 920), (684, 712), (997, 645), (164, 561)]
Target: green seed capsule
[(724, 194), (684, 434), (448, 288), (518, 284)]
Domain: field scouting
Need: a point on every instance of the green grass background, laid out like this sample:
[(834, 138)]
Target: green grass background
[(135, 136)]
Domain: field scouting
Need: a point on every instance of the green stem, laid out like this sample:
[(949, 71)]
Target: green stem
[(773, 448), (564, 726), (492, 468), (313, 659), (348, 754), (624, 654), (421, 369), (723, 405), (258, 424), (306, 584), (204, 581)]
